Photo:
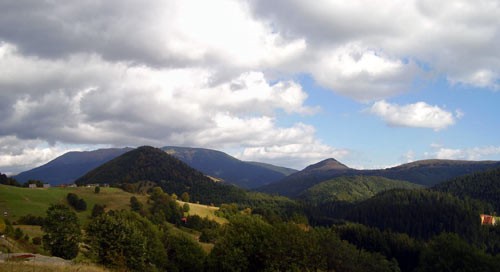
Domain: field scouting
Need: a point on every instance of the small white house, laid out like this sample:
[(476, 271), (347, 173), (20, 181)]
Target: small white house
[(33, 186)]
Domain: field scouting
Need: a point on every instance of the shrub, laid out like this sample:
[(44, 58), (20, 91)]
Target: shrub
[(18, 233), (76, 202), (31, 220), (36, 240)]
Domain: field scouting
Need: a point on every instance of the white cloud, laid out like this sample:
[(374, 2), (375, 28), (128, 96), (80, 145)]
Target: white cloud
[(419, 114), (17, 155), (148, 72), (296, 155), (219, 33), (409, 156), (362, 73), (118, 103), (373, 57), (475, 153), (457, 39)]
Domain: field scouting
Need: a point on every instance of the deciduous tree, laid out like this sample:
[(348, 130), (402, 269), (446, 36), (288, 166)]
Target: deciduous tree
[(62, 231)]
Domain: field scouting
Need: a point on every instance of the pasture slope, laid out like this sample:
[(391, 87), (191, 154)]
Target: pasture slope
[(18, 202)]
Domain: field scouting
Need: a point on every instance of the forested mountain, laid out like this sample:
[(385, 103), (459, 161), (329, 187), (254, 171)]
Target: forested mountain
[(419, 213), (221, 165), (352, 189), (154, 165), (295, 184), (432, 172), (426, 173), (70, 166), (280, 169), (484, 186)]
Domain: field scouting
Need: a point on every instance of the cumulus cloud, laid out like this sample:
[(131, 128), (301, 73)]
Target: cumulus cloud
[(419, 114), (362, 73), (293, 155), (118, 103), (167, 33), (457, 39), (380, 48), (193, 72), (17, 154)]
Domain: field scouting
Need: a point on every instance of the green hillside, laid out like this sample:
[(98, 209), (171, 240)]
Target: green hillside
[(172, 175), (352, 189), (419, 213), (17, 201), (143, 163), (484, 186)]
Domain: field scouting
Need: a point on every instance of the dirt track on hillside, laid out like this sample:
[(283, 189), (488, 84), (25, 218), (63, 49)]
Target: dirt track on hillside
[(33, 258)]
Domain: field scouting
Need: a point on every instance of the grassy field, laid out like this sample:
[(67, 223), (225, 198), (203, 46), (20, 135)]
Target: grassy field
[(22, 201), (204, 211), (18, 202)]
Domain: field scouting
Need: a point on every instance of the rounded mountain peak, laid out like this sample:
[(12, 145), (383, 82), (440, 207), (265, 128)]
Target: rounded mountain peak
[(325, 165)]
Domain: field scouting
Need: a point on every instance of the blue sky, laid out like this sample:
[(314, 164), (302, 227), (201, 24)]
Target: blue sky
[(372, 84)]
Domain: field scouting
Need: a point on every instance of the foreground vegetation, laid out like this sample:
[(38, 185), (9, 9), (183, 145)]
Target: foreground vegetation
[(15, 266), (154, 236)]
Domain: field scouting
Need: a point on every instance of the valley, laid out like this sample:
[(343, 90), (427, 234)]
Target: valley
[(319, 216)]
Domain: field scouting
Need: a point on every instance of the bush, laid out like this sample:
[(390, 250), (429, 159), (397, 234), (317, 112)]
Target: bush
[(185, 207), (124, 239), (135, 205), (209, 235), (97, 210), (81, 205), (185, 197), (36, 240), (31, 220), (62, 232), (18, 233), (184, 254), (3, 226), (197, 223), (76, 202)]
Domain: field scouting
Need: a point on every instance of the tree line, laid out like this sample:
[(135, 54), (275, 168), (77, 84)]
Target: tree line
[(143, 238)]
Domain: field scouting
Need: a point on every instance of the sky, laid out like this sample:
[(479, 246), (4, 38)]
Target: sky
[(373, 84)]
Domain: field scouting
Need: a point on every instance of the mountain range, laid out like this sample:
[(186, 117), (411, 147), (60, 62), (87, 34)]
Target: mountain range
[(218, 164), (66, 168), (426, 173), (264, 177)]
